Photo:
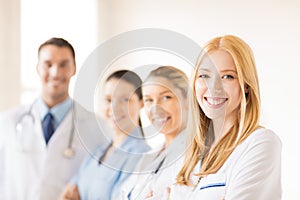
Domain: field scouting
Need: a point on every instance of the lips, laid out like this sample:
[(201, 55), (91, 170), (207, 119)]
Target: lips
[(55, 82), (160, 122), (215, 102)]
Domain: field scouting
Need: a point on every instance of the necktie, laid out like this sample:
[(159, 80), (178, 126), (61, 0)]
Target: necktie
[(48, 127)]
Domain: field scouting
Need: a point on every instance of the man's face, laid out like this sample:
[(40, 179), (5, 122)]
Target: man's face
[(55, 67)]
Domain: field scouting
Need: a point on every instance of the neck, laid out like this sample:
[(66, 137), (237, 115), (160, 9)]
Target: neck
[(119, 138), (169, 137), (51, 102), (221, 127)]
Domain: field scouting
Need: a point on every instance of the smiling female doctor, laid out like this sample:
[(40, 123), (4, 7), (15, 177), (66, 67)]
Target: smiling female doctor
[(231, 155), (43, 144)]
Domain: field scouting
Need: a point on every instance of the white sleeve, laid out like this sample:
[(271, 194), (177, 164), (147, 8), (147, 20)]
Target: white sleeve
[(2, 171), (5, 129), (257, 174), (127, 187)]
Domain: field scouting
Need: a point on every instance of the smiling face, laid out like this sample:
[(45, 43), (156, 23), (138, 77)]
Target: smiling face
[(122, 105), (165, 106), (55, 67), (217, 87)]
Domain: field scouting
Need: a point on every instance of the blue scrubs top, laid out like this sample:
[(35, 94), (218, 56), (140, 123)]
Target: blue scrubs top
[(104, 180)]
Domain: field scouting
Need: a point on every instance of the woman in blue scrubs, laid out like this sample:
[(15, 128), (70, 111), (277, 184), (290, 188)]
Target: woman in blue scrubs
[(102, 174)]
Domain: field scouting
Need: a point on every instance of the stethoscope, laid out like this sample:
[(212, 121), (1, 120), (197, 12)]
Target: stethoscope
[(25, 123), (149, 180)]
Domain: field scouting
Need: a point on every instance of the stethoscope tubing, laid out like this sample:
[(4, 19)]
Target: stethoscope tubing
[(69, 151)]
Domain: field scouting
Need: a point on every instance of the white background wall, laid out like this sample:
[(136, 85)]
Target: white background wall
[(74, 20), (271, 27)]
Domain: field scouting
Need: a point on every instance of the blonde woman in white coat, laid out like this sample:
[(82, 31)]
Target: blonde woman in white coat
[(231, 155), (165, 103)]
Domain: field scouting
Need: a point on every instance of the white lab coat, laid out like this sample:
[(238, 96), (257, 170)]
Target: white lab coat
[(42, 172), (145, 180), (252, 171)]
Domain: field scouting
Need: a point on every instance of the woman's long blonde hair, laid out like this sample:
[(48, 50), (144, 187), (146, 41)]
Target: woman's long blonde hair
[(198, 124)]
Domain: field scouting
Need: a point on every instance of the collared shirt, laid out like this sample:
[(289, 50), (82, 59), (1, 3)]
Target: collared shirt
[(59, 111), (103, 181)]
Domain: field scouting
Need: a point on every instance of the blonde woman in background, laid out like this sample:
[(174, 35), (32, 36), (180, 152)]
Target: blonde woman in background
[(165, 103), (231, 156)]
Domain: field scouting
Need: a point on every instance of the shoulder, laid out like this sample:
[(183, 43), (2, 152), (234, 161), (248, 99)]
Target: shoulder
[(262, 145), (83, 116), (9, 120), (80, 112), (19, 110), (13, 116), (262, 137), (136, 143), (91, 129)]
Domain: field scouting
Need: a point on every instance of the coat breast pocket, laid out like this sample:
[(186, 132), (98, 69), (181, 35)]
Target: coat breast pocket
[(212, 187)]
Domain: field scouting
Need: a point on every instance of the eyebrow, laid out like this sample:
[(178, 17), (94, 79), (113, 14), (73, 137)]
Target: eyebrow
[(204, 69), (164, 92), (226, 70), (229, 70), (63, 61)]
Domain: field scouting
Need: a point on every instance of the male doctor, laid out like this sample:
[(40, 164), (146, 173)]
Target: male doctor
[(43, 144)]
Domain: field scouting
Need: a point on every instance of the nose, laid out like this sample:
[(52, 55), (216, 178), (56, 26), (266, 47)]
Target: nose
[(54, 70), (215, 85), (115, 108), (157, 111)]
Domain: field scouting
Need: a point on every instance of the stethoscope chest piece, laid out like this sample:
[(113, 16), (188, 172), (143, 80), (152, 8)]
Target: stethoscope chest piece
[(69, 153)]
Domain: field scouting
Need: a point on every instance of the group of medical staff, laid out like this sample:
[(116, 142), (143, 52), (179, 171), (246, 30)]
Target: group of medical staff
[(214, 147)]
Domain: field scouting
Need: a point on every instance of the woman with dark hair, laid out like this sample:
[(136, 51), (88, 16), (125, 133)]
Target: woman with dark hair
[(101, 175)]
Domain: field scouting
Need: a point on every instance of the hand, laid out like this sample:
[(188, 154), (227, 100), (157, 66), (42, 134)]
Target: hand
[(167, 194), (150, 194), (70, 193)]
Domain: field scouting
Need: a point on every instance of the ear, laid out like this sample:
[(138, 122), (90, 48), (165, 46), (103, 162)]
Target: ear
[(142, 103), (37, 69), (74, 70), (246, 88)]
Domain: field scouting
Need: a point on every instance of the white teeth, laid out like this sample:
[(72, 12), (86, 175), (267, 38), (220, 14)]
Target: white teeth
[(159, 121), (216, 101)]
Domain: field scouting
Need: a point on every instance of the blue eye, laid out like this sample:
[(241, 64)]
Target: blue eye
[(203, 76), (227, 77)]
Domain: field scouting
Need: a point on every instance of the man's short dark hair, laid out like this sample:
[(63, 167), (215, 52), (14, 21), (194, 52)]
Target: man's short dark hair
[(59, 42)]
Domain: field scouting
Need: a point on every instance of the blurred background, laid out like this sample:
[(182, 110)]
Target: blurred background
[(271, 28)]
